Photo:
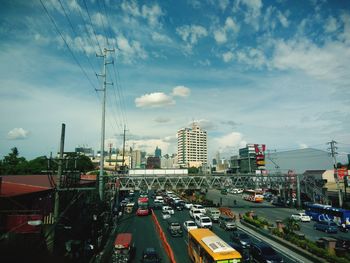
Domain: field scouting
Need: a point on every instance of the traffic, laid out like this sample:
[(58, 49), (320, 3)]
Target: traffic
[(179, 218)]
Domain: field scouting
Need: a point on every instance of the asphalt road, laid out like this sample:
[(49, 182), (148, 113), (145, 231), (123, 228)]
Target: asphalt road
[(270, 212), (144, 234)]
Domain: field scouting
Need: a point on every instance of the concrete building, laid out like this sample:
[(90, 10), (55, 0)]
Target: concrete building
[(136, 159), (192, 146)]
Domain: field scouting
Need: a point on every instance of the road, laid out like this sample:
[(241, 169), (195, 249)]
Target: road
[(268, 211)]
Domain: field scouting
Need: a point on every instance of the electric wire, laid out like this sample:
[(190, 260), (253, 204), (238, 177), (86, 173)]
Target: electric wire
[(76, 35), (64, 40)]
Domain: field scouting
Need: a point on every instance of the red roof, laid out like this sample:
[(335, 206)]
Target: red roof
[(14, 185), (123, 240)]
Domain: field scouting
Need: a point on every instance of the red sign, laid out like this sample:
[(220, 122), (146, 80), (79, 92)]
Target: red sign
[(341, 172), (259, 148)]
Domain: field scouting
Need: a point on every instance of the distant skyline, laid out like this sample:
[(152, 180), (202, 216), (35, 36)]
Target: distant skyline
[(248, 71)]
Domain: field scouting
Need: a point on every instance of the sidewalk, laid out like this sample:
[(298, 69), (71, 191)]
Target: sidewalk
[(287, 251)]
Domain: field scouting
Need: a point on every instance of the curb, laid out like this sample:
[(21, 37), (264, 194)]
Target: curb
[(285, 243)]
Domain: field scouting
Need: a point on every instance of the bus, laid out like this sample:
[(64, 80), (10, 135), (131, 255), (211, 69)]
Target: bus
[(319, 212), (253, 196), (143, 209), (123, 248), (206, 247)]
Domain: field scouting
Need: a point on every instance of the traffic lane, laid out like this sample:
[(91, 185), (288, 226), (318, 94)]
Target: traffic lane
[(226, 236), (177, 244), (144, 234)]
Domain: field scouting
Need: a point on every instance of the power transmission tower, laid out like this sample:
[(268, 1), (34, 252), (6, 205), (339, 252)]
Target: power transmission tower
[(104, 76), (333, 153)]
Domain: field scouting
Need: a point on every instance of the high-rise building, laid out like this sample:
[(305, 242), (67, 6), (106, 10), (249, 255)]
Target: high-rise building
[(158, 152), (192, 147)]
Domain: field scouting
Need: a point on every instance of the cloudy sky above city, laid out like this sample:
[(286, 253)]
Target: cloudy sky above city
[(249, 71)]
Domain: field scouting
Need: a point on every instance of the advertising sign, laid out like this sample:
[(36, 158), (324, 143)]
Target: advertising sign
[(341, 172)]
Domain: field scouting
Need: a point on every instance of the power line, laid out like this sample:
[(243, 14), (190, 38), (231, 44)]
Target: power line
[(64, 40)]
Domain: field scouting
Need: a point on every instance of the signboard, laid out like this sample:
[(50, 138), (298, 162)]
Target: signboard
[(341, 172)]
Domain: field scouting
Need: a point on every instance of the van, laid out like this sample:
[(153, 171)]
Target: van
[(227, 222), (326, 226), (213, 213)]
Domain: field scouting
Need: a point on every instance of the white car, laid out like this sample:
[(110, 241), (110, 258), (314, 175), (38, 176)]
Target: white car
[(168, 208), (188, 205), (301, 217), (195, 212), (199, 207), (203, 222), (166, 214), (189, 225)]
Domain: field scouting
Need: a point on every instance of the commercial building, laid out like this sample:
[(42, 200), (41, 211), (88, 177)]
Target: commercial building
[(251, 159), (192, 147)]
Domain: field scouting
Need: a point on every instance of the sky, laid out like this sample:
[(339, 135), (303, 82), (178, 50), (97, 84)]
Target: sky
[(248, 71)]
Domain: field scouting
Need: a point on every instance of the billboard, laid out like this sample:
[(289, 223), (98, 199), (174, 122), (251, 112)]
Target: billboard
[(260, 156)]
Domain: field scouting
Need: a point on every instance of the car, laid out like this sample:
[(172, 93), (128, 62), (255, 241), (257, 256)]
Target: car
[(175, 229), (326, 226), (166, 214), (188, 205), (203, 221), (168, 208), (245, 252), (199, 207), (241, 238), (194, 212), (179, 206), (227, 222), (300, 217), (263, 253), (189, 225), (150, 255)]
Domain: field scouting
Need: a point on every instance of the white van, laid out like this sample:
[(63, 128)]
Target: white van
[(203, 222), (159, 199), (213, 213)]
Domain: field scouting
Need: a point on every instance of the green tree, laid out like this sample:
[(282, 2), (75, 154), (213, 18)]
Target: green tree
[(37, 165), (13, 164), (193, 170)]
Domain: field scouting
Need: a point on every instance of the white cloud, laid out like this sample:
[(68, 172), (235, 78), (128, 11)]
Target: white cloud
[(17, 134), (99, 19), (228, 56), (220, 36), (162, 119), (154, 100), (230, 24), (160, 38), (152, 14), (252, 57), (233, 139), (303, 146), (252, 14), (191, 33), (223, 4), (130, 50), (181, 91), (283, 19), (331, 25), (327, 62)]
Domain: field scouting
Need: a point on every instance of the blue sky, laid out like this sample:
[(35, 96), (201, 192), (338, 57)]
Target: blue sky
[(249, 71)]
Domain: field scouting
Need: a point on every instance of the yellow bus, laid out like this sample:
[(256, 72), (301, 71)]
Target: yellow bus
[(206, 247)]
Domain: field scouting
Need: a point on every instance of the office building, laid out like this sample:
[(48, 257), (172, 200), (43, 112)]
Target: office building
[(192, 147)]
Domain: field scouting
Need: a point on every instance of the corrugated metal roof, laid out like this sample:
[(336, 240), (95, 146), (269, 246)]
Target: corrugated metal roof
[(10, 189)]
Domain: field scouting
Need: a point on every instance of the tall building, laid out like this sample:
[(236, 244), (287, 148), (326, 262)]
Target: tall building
[(158, 152), (192, 146)]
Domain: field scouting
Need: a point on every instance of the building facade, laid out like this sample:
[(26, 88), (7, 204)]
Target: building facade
[(192, 146)]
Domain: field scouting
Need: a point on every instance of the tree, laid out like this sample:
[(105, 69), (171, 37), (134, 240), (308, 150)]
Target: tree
[(193, 170), (12, 164)]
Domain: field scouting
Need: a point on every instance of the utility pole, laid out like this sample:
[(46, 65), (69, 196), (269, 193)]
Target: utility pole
[(334, 153), (123, 163), (104, 76)]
